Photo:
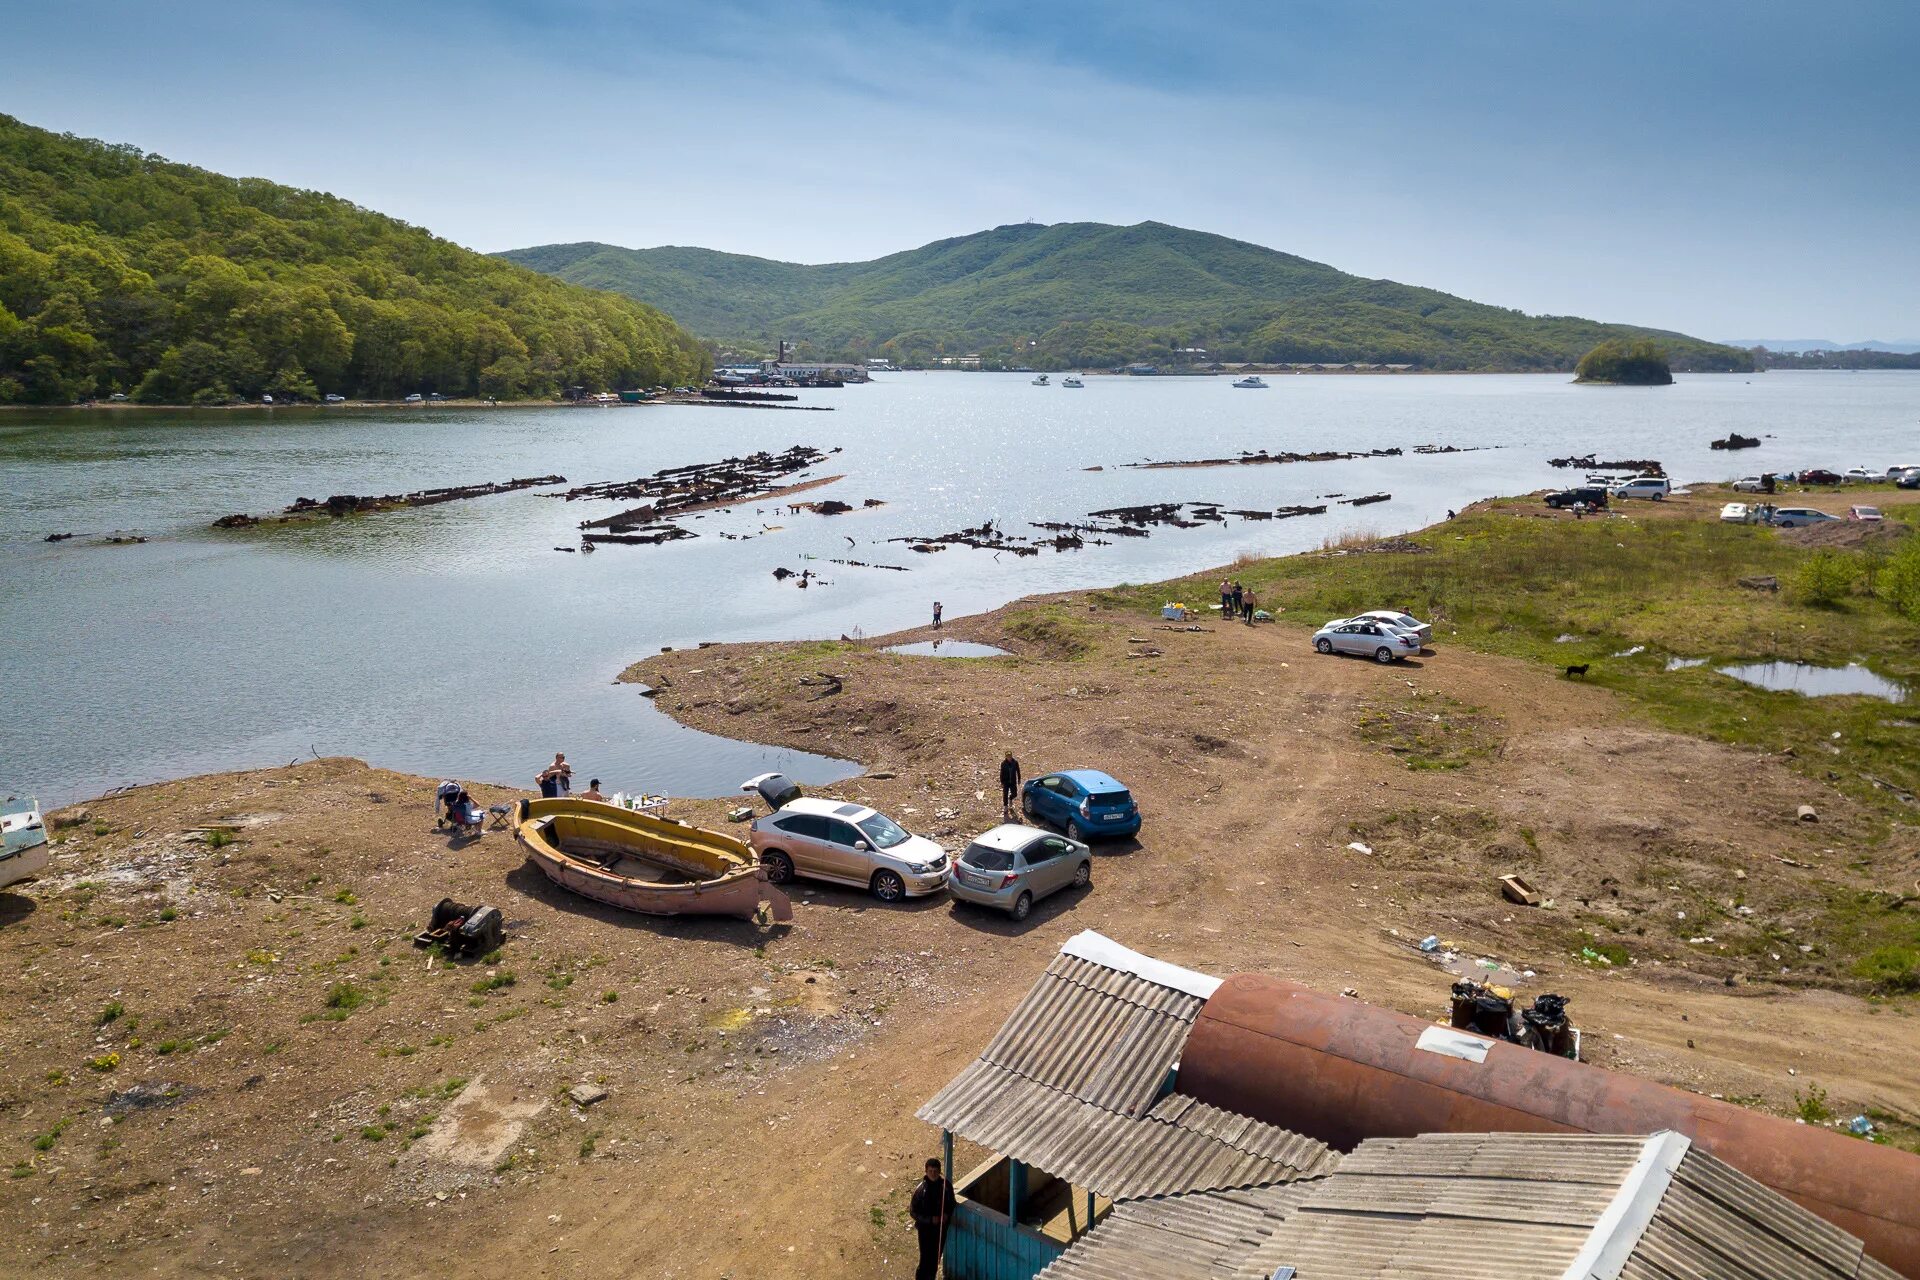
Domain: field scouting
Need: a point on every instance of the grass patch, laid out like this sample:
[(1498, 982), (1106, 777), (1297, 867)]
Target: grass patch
[(220, 837), (1056, 629), (47, 1140), (111, 1013), (1432, 731), (504, 978)]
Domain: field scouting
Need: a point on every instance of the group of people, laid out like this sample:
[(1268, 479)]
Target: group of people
[(1236, 601), (556, 781)]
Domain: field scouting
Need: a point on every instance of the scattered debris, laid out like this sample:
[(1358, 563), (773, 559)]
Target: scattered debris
[(1517, 890), (1806, 813), (346, 504), (1765, 582), (585, 1095), (1586, 462), (1262, 456)]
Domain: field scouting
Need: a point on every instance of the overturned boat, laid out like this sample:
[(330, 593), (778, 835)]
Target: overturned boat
[(637, 862), (23, 841)]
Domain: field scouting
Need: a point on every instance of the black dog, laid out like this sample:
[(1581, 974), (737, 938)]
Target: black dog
[(1579, 670)]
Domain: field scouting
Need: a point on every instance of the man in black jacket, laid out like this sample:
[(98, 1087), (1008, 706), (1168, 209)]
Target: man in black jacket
[(1009, 783), (932, 1209)]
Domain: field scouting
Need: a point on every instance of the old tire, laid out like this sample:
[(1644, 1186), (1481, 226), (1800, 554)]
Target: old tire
[(1323, 645), (888, 886), (1083, 875), (779, 866), (1383, 655), (1022, 906)]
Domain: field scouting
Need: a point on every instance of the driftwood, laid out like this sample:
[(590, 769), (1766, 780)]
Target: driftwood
[(1367, 500), (701, 485), (1262, 456), (347, 504), (647, 536), (1587, 462)]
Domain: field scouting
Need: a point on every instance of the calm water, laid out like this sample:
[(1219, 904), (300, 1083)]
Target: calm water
[(456, 641), (1816, 682)]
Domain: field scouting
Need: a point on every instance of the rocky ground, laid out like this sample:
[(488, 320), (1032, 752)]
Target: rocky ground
[(224, 1056)]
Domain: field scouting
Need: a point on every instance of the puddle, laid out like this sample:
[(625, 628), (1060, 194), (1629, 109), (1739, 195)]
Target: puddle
[(1804, 678), (1681, 664), (947, 649), (1628, 653)]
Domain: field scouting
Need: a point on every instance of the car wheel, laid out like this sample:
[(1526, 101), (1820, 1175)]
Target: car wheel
[(1077, 832), (888, 887), (1083, 875), (1383, 654), (779, 866), (1023, 906), (1027, 807), (1324, 646), (1659, 497)]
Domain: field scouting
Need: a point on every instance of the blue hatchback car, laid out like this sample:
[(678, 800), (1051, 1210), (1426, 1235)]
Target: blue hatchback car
[(1085, 803)]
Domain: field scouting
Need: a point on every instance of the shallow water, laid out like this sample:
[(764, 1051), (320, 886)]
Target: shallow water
[(455, 641), (948, 649), (1817, 682)]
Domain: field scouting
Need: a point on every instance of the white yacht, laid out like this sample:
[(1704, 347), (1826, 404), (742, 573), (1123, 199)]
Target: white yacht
[(1072, 380), (1252, 382), (23, 841), (1040, 381)]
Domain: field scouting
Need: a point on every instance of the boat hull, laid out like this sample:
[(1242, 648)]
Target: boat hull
[(722, 877), (24, 864)]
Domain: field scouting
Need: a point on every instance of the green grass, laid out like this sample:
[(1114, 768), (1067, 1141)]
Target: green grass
[(1431, 731), (1057, 629), (504, 978)]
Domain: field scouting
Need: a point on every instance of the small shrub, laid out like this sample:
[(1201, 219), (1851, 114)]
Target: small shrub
[(169, 914), (104, 1063), (345, 897), (166, 1047), (1811, 1106), (504, 978), (343, 998), (220, 838), (1826, 577), (1892, 968), (102, 829), (46, 1141), (609, 997), (373, 1132), (111, 1013)]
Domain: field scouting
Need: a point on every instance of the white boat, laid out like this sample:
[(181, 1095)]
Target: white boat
[(23, 841), (1072, 380), (1040, 381), (1252, 381)]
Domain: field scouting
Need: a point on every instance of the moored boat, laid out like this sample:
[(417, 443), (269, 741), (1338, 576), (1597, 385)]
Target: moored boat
[(1072, 380), (638, 862), (24, 852), (1252, 382), (1040, 380)]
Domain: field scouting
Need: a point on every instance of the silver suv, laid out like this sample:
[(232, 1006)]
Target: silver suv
[(848, 844)]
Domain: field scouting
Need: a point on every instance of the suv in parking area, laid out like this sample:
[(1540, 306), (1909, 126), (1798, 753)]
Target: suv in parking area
[(1593, 495), (848, 844), (1085, 803), (1655, 487)]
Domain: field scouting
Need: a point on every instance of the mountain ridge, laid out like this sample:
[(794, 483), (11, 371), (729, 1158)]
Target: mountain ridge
[(1093, 294)]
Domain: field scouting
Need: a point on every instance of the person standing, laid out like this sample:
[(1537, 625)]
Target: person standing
[(556, 780), (1237, 595), (1009, 783), (1226, 597), (1246, 605), (936, 615), (932, 1209)]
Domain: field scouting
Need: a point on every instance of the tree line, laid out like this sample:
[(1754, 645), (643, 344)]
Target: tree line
[(121, 272)]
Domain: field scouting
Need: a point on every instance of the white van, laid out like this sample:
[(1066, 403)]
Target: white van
[(1655, 487)]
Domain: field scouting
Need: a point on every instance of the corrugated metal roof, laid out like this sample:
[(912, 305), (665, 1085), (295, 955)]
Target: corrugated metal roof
[(1196, 1236), (1715, 1221), (1071, 1084)]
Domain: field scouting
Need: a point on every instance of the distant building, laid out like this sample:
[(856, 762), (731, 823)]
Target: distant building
[(959, 362), (802, 370), (1140, 369)]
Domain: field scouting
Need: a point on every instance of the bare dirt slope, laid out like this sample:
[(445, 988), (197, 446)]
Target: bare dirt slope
[(239, 1066)]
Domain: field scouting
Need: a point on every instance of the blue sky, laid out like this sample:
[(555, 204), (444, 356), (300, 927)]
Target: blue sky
[(1729, 169)]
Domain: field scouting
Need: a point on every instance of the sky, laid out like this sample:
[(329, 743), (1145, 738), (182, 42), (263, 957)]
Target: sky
[(1728, 168)]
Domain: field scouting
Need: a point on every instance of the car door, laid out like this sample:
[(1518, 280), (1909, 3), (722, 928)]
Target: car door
[(1046, 799), (1052, 867), (1352, 638), (850, 862), (803, 837)]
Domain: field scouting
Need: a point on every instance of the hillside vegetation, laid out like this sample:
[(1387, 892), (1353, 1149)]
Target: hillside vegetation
[(1632, 364), (124, 272), (1093, 295)]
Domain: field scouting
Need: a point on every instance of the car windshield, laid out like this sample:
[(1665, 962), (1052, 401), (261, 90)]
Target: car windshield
[(882, 830), (979, 855)]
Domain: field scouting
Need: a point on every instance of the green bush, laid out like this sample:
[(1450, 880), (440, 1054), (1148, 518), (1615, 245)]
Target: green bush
[(1826, 577), (1898, 581), (1892, 968)]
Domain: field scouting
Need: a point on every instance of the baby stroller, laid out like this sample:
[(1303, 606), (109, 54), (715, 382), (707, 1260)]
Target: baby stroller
[(453, 807)]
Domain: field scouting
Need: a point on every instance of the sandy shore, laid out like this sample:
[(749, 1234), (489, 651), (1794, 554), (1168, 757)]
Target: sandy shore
[(239, 1064)]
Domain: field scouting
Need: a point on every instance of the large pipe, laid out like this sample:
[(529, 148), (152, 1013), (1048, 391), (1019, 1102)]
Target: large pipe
[(1343, 1071)]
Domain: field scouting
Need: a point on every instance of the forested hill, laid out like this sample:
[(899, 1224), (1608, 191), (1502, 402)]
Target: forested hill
[(1088, 294), (123, 272)]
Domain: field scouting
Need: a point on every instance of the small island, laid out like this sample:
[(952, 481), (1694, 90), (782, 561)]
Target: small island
[(1625, 364)]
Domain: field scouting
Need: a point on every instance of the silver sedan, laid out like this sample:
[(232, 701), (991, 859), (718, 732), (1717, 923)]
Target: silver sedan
[(1367, 637), (1422, 631)]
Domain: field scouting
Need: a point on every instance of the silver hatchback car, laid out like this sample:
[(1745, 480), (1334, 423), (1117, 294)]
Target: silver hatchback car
[(1012, 867), (1380, 641)]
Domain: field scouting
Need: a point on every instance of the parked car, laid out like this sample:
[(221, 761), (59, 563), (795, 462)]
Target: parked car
[(1863, 513), (848, 844), (415, 398), (1819, 475), (1655, 487), (1863, 475), (334, 397), (1750, 484), (1593, 495), (117, 396), (1795, 517), (1085, 803), (1911, 480), (1736, 513), (1376, 640), (1421, 631), (1012, 867)]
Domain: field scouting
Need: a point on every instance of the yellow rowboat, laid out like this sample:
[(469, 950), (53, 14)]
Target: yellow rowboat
[(638, 862)]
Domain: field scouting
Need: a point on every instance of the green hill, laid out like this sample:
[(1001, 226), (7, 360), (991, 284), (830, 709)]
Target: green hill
[(123, 272), (1084, 293)]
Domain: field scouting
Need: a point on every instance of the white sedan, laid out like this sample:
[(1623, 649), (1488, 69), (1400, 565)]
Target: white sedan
[(1377, 640), (1406, 622)]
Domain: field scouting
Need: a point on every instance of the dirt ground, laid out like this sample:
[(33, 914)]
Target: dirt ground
[(224, 1057)]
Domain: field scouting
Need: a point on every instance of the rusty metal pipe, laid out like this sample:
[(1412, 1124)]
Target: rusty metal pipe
[(1343, 1071)]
